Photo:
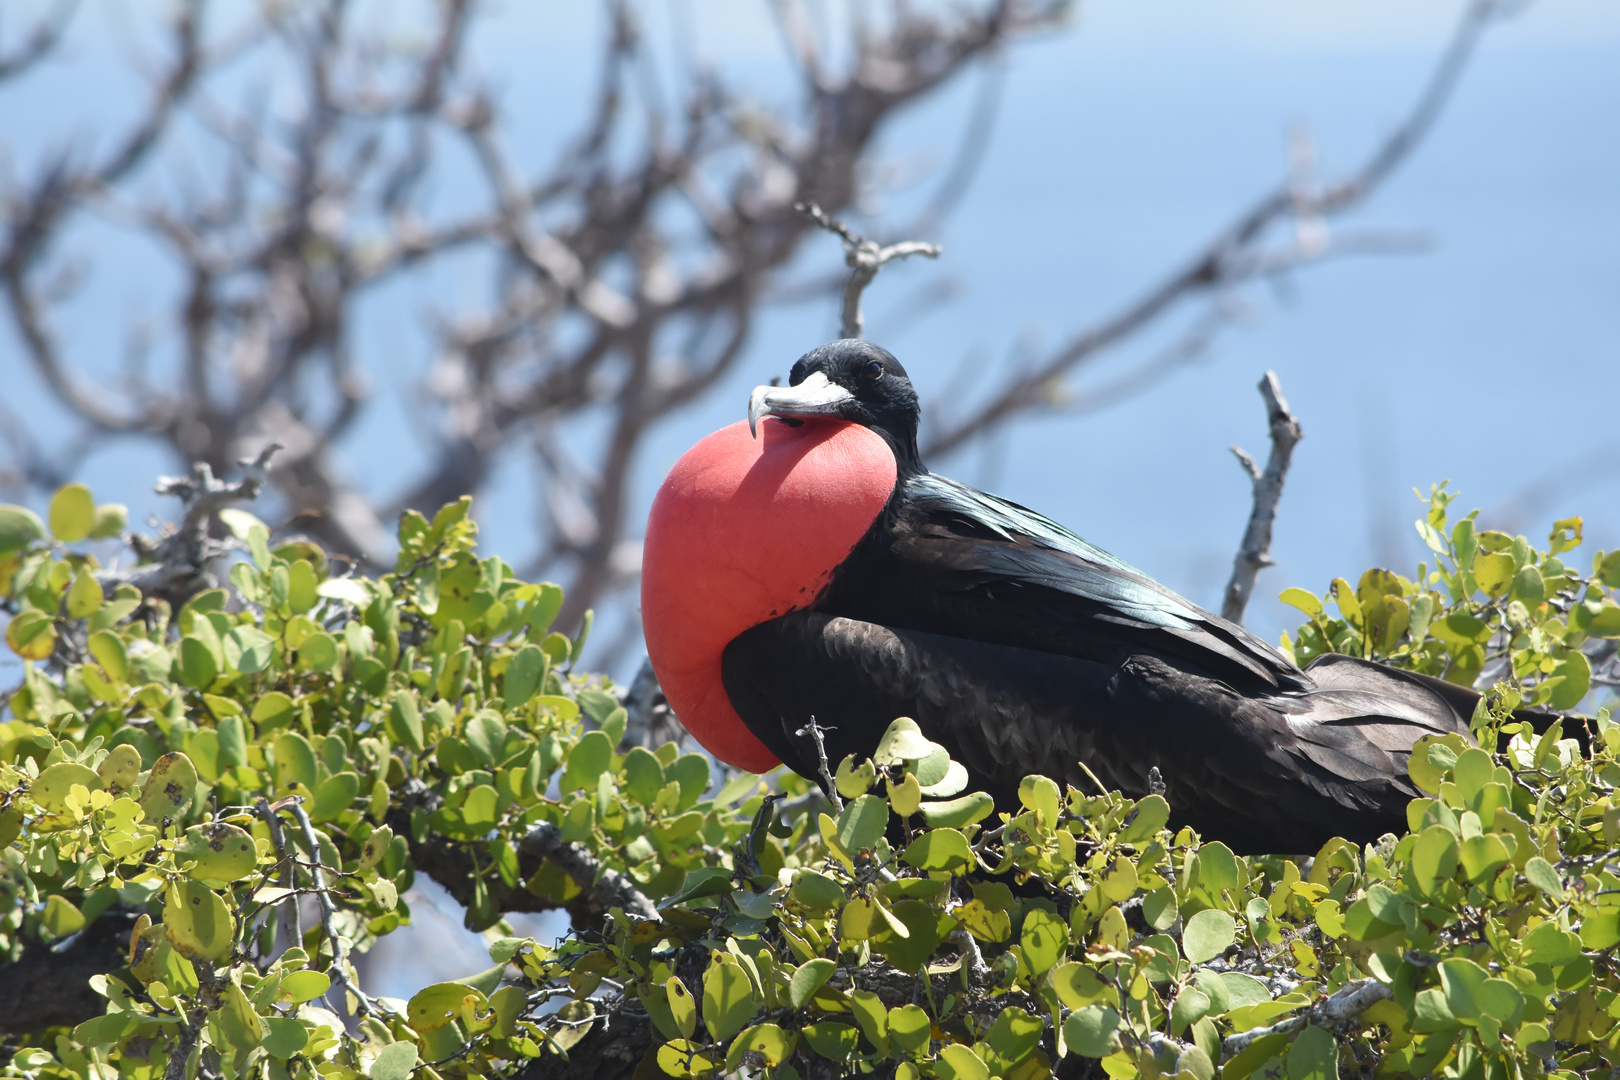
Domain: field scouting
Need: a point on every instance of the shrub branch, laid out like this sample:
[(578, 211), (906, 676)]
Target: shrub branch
[(1254, 554)]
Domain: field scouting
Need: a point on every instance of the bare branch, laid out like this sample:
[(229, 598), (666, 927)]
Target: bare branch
[(39, 41), (178, 567), (292, 934), (1238, 254), (864, 258), (1343, 1007), (338, 970), (1254, 554), (605, 889)]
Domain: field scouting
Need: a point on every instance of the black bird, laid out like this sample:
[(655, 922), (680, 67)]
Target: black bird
[(821, 572)]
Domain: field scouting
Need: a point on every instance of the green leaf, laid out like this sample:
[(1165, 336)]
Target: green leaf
[(318, 652), (939, 849), (169, 788), (770, 1042), (682, 1007), (1501, 1000), (1540, 873), (832, 1040), (61, 917), (84, 597), (1307, 602), (1146, 820), (222, 852), (810, 977), (1576, 671), (902, 742), (957, 1062), (396, 1061), (1207, 934), (1434, 857), (51, 788), (295, 761), (301, 986), (405, 721), (1601, 928), (589, 759), (1044, 940), (486, 735), (198, 924), (1462, 981), (32, 635), (1091, 1031), (873, 1018), (1078, 985), (816, 890), (434, 1006), (334, 796), (1313, 1056), (728, 997), (19, 527), (862, 823), (958, 812), (72, 513), (1217, 869), (1041, 795), (197, 666), (910, 1029), (1493, 573), (643, 775), (524, 675)]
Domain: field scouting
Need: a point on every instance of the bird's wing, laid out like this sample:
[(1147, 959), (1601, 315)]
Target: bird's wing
[(1240, 769), (1034, 577)]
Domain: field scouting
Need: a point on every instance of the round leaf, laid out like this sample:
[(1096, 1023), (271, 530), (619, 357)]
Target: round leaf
[(72, 514), (1207, 935)]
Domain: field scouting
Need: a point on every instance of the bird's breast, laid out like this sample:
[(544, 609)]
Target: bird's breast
[(741, 531)]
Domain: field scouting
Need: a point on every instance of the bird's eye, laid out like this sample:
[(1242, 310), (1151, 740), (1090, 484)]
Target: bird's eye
[(874, 370)]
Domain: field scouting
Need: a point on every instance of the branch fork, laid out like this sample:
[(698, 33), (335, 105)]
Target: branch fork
[(865, 257), (1254, 555)]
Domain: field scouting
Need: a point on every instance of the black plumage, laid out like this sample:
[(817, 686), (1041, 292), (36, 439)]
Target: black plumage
[(1024, 649)]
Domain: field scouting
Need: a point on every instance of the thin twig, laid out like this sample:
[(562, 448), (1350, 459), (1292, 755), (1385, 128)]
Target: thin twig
[(814, 730), (209, 998), (178, 564), (337, 970), (1254, 554), (292, 934), (864, 258)]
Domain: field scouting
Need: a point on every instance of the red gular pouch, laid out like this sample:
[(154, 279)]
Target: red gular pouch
[(744, 530)]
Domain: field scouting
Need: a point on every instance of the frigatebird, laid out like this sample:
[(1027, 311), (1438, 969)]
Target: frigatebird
[(806, 564)]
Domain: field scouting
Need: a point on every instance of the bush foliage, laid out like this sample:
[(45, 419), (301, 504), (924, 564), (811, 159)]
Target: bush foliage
[(188, 776)]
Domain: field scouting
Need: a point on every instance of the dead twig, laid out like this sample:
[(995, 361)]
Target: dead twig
[(814, 730), (176, 566), (1342, 1007), (292, 934), (338, 970), (864, 258), (1254, 554)]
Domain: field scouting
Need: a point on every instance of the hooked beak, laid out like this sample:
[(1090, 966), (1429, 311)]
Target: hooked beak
[(815, 396)]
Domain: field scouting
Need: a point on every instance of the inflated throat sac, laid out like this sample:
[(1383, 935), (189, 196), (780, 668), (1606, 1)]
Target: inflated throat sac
[(741, 531)]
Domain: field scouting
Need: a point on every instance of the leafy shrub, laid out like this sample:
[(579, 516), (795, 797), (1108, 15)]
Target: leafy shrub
[(186, 777)]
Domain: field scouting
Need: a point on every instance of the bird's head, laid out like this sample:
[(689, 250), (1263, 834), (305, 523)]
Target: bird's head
[(851, 380)]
